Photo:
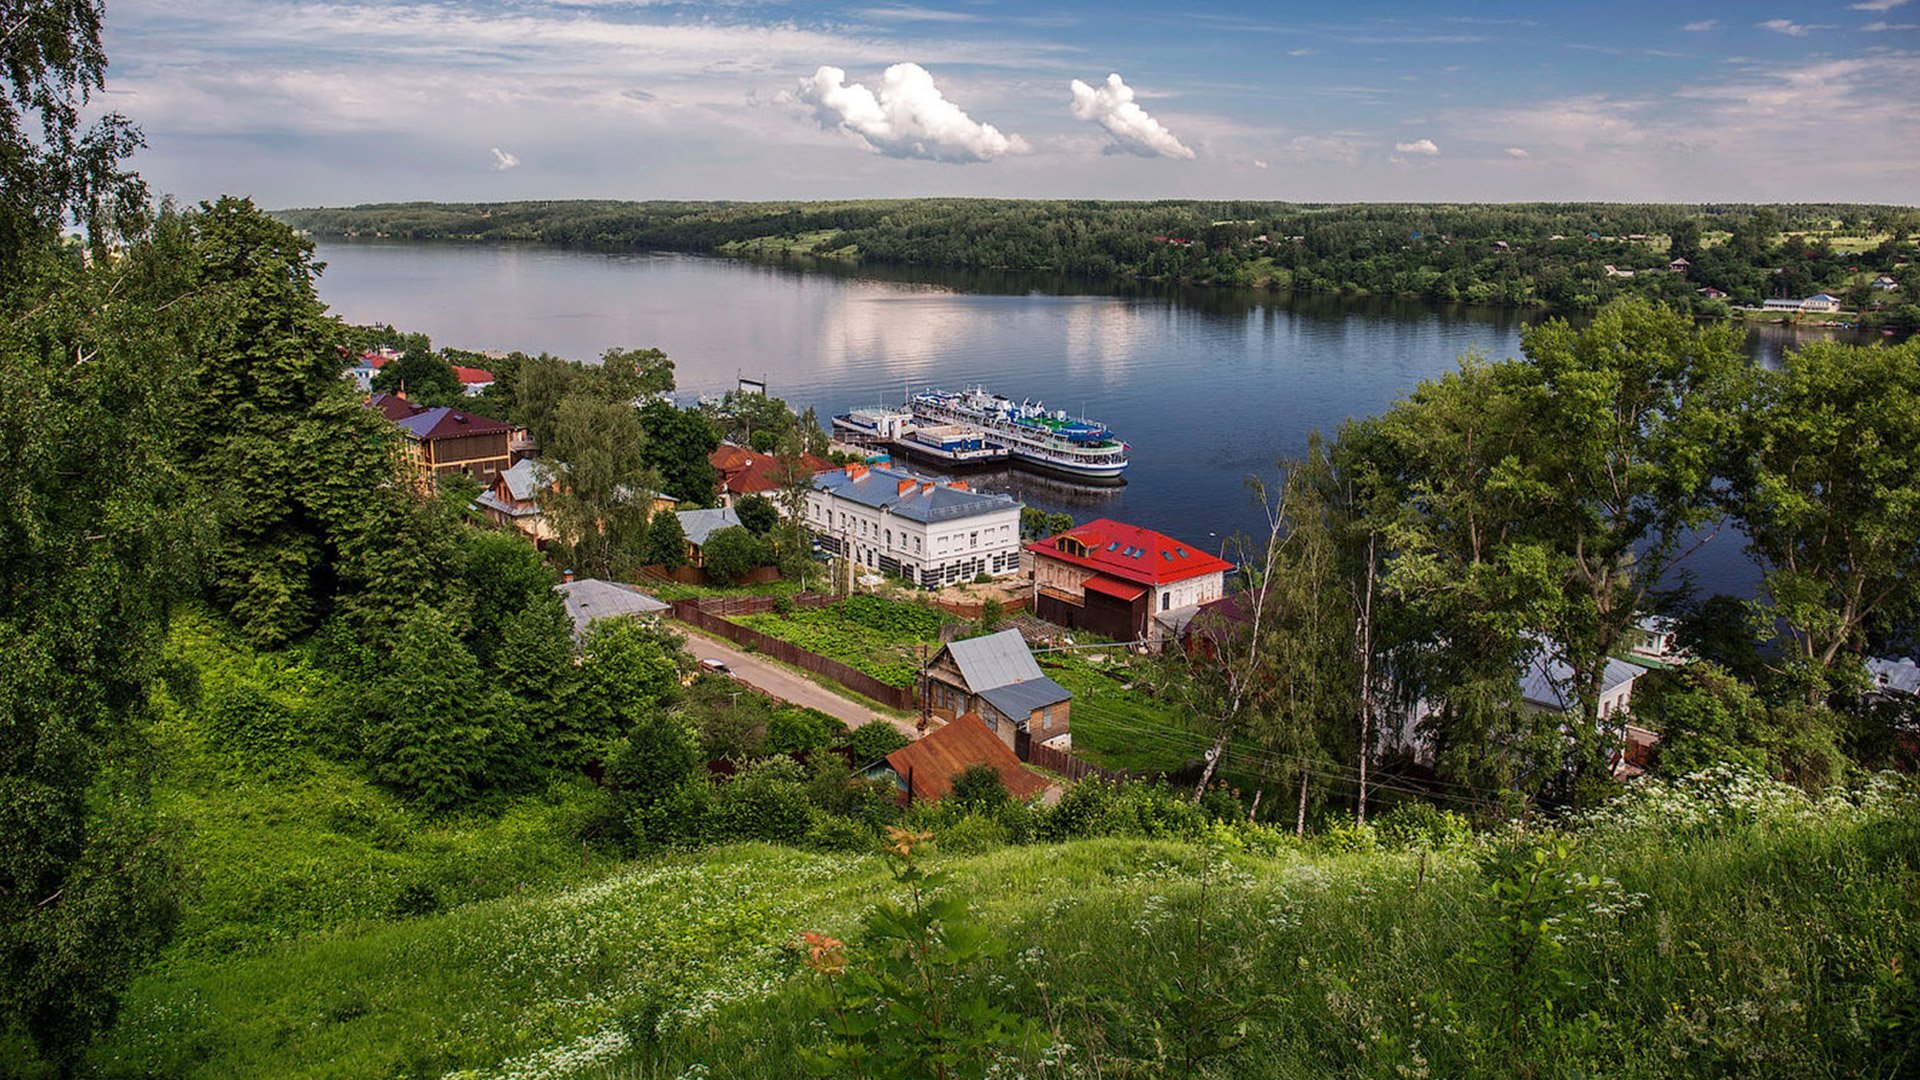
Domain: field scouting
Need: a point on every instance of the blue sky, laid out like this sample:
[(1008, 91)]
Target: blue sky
[(299, 102)]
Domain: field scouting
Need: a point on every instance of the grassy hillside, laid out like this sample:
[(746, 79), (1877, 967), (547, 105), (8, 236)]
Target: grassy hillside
[(1738, 930)]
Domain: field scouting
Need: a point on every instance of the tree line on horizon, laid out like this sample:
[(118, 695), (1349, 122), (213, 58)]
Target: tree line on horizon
[(1552, 255)]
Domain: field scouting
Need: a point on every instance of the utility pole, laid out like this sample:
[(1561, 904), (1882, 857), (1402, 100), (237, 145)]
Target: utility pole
[(926, 705)]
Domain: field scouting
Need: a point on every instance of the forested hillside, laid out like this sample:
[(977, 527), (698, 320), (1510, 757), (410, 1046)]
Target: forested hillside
[(1551, 254)]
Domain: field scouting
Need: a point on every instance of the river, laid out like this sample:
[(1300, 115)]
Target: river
[(1209, 387)]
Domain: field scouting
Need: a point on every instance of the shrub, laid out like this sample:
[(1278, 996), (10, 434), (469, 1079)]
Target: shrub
[(873, 741), (794, 730), (732, 553), (1418, 824), (766, 802), (979, 788)]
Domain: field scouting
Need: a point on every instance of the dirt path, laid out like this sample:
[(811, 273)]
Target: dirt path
[(772, 679)]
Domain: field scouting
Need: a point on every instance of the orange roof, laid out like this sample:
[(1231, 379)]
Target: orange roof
[(929, 767), (748, 472), (1130, 553), (1119, 590), (470, 376)]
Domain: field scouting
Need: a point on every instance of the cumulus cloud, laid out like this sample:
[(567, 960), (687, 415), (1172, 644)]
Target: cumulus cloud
[(1112, 107), (1518, 152), (503, 160), (908, 118), (1423, 147)]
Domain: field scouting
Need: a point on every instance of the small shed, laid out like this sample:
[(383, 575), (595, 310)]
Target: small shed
[(592, 598)]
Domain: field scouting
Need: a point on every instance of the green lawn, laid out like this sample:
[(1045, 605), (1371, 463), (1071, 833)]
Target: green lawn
[(883, 638)]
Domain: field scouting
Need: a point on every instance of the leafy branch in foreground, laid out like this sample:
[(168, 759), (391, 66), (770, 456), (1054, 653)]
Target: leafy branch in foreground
[(901, 1006)]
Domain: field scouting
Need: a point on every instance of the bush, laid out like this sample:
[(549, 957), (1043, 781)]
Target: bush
[(1423, 825), (794, 730), (979, 788), (871, 742), (732, 553), (766, 802)]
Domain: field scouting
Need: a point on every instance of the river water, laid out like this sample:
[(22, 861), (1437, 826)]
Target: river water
[(1209, 387)]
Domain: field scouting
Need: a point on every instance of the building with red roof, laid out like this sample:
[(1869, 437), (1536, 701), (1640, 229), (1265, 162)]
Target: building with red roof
[(743, 472), (473, 381), (1116, 579)]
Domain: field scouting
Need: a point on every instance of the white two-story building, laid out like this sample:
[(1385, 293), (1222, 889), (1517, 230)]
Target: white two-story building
[(933, 532)]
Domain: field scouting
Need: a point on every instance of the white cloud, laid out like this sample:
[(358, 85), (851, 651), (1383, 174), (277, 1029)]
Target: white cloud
[(1882, 24), (503, 160), (1790, 28), (1518, 153), (1876, 5), (1112, 107), (1259, 164), (1423, 147), (1329, 149), (908, 118), (1702, 25)]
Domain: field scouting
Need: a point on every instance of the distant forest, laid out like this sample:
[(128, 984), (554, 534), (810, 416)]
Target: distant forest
[(1561, 255)]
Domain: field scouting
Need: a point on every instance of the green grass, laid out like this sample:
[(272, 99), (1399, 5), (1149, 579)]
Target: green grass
[(883, 638), (1765, 945)]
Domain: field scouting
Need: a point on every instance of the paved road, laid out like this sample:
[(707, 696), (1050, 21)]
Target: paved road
[(770, 678)]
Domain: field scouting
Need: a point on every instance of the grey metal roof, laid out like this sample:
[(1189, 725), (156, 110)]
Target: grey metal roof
[(700, 524), (525, 478), (994, 660), (591, 598), (493, 502), (1902, 674), (880, 488), (1548, 681), (1018, 700)]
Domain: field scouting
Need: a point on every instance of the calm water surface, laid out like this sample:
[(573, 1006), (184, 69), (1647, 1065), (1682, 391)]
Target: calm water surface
[(1209, 387)]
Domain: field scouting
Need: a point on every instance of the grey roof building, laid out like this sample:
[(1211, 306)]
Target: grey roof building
[(592, 598), (1902, 675), (996, 678), (1547, 683), (700, 524), (910, 495)]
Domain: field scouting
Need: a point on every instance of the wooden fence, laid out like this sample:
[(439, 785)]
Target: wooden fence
[(709, 616), (1073, 768)]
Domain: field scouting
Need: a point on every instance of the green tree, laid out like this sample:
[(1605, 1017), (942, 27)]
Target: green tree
[(679, 445), (757, 514), (649, 768), (533, 663), (630, 670), (666, 541), (503, 577), (979, 788), (731, 553), (1823, 482), (422, 375), (605, 487), (432, 729), (793, 480), (631, 375), (1622, 441)]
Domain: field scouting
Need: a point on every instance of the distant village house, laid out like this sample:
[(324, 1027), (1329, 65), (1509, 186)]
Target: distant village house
[(930, 531), (995, 678), (1115, 579), (442, 441), (925, 770)]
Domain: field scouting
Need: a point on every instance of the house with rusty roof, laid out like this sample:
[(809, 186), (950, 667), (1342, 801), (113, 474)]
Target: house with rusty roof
[(442, 441), (926, 770), (1116, 579), (740, 472), (994, 677)]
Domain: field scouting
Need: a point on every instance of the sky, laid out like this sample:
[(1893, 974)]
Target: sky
[(303, 103)]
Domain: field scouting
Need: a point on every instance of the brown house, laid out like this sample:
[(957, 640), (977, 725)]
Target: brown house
[(994, 678), (925, 770), (445, 442)]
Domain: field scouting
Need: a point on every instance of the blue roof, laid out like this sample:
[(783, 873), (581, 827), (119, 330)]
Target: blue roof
[(880, 488), (1018, 700)]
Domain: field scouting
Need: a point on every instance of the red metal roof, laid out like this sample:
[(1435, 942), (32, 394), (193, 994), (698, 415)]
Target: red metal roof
[(931, 765), (1122, 590), (470, 376), (1131, 553), (748, 472)]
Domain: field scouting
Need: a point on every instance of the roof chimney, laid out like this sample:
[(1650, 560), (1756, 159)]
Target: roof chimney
[(959, 485), (906, 486), (856, 470)]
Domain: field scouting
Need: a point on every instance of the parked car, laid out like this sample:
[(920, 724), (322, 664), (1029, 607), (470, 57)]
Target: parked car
[(716, 665)]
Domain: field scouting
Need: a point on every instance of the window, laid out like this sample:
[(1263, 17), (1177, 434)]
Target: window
[(889, 539), (974, 540), (1046, 719), (1166, 600)]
